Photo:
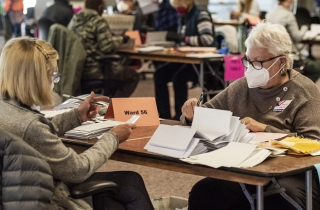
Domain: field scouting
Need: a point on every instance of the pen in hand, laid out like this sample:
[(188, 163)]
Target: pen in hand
[(200, 99), (81, 99)]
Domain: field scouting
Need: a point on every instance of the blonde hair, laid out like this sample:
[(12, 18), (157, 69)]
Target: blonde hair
[(273, 37), (26, 68), (181, 3)]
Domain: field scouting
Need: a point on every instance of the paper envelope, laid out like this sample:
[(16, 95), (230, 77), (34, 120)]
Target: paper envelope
[(121, 109)]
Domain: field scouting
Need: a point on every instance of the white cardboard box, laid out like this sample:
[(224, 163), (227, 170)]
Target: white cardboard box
[(169, 203)]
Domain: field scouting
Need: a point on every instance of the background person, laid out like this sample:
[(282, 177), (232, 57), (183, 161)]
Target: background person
[(27, 78), (97, 39), (268, 80), (195, 28), (246, 8), (13, 18), (60, 12), (283, 15)]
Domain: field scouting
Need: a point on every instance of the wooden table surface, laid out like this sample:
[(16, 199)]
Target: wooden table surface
[(131, 151)]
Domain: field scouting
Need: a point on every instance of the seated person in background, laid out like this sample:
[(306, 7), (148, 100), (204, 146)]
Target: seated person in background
[(166, 18), (128, 7), (269, 79), (246, 8), (195, 29), (37, 61), (97, 39), (283, 16), (60, 12)]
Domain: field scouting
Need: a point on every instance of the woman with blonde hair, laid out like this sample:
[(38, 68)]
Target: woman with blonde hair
[(246, 8), (269, 81), (28, 71)]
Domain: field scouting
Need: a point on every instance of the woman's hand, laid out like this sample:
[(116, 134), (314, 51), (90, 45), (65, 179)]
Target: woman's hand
[(123, 131), (188, 108), (253, 125), (88, 109)]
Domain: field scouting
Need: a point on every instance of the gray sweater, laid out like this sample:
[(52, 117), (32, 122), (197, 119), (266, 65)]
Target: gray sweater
[(66, 165), (301, 117)]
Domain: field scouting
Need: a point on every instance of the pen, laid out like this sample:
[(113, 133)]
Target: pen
[(200, 99), (81, 99)]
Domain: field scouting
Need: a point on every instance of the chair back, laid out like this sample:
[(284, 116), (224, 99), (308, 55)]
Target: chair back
[(303, 16), (71, 61), (44, 25), (26, 178)]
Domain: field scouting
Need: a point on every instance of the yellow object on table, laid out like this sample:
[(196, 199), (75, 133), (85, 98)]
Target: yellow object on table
[(298, 145)]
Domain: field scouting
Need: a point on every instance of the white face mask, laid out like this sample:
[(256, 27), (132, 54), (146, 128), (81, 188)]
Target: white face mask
[(259, 78), (122, 6)]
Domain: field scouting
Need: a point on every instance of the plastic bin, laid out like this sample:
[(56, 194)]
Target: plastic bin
[(169, 203)]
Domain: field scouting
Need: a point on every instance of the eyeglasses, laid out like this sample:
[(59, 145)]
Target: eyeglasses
[(55, 77), (258, 65)]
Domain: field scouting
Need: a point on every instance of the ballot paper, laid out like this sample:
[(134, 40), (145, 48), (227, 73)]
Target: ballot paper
[(94, 129), (233, 155)]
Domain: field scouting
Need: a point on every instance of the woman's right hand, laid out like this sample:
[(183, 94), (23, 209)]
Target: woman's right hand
[(188, 108), (123, 131)]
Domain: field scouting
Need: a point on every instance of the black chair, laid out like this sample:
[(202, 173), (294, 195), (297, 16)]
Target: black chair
[(44, 25), (303, 17), (17, 155)]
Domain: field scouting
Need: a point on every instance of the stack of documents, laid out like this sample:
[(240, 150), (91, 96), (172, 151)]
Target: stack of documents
[(91, 131), (233, 155), (94, 129), (211, 129)]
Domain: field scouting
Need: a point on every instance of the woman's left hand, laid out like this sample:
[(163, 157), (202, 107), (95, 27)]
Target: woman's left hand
[(88, 109), (253, 125)]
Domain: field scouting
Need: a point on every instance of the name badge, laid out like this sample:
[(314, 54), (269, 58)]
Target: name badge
[(281, 105)]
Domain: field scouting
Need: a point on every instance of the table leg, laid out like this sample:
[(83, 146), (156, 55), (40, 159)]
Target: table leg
[(309, 190), (201, 76), (260, 198)]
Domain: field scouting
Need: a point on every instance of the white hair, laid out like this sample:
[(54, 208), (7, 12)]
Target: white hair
[(273, 37)]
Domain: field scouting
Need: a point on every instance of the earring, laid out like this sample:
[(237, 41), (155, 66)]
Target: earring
[(283, 72)]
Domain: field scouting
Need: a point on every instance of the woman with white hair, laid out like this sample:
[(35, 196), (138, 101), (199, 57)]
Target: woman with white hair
[(269, 81)]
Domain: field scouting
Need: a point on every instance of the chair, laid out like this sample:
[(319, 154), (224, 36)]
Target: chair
[(31, 187), (44, 25), (71, 59), (72, 56), (303, 17)]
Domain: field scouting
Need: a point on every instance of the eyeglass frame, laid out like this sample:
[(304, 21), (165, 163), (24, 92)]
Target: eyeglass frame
[(261, 62), (56, 77)]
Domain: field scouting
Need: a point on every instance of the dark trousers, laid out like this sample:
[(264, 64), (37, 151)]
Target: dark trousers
[(211, 194), (132, 193), (179, 74)]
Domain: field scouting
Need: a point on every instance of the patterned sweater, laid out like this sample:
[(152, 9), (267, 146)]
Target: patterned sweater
[(97, 39), (66, 165)]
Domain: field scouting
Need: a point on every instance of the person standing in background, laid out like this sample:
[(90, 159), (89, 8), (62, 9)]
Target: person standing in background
[(60, 12), (246, 8), (13, 18), (167, 16)]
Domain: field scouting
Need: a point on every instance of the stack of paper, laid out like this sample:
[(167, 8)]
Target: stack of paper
[(93, 130), (219, 125), (174, 141), (233, 155)]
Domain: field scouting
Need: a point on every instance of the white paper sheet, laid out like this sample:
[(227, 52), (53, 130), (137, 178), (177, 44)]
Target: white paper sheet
[(171, 137), (211, 123)]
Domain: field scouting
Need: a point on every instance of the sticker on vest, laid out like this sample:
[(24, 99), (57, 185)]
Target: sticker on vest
[(281, 105)]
